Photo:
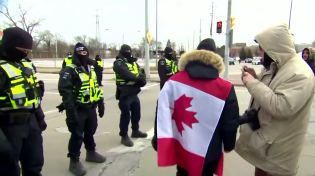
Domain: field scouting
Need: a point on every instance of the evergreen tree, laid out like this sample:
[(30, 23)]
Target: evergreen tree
[(249, 54), (243, 54), (168, 43)]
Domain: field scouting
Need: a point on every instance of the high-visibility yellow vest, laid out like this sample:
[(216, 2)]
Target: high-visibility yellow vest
[(21, 92), (88, 92), (133, 68), (68, 61), (171, 65), (100, 63)]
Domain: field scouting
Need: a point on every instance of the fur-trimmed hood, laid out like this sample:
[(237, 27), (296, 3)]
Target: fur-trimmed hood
[(206, 57)]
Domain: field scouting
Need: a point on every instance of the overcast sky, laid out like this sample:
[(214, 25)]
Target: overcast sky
[(177, 19)]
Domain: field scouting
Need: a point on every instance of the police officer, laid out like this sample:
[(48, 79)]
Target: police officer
[(21, 116), (32, 64), (80, 94), (129, 80), (67, 60), (167, 66), (99, 69)]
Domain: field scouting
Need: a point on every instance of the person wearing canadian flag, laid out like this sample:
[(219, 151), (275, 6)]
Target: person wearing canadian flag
[(198, 116)]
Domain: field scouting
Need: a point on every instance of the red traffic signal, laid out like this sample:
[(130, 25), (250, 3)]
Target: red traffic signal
[(219, 24), (219, 27)]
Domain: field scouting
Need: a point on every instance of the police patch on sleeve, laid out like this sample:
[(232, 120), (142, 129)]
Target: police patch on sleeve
[(162, 62), (65, 75), (119, 63)]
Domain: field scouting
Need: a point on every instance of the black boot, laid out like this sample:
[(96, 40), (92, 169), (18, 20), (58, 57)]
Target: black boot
[(138, 134), (125, 140), (76, 167), (94, 157)]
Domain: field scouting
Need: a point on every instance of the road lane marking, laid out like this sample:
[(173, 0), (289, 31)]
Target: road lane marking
[(139, 145)]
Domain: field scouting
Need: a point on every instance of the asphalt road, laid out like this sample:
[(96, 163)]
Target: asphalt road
[(139, 160)]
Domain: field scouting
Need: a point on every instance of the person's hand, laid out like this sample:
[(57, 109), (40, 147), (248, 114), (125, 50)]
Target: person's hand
[(247, 77), (42, 124), (249, 70), (101, 108)]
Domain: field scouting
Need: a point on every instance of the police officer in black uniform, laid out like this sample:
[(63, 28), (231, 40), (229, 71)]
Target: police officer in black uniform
[(80, 109), (129, 80), (167, 66), (99, 69), (21, 116)]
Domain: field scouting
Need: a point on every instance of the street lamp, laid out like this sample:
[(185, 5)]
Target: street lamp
[(290, 14)]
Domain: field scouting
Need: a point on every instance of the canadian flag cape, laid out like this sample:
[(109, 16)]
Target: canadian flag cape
[(188, 113)]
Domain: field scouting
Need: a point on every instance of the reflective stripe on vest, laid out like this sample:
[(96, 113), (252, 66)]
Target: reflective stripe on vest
[(68, 61), (133, 68), (98, 92), (17, 97), (100, 63), (89, 91), (171, 65)]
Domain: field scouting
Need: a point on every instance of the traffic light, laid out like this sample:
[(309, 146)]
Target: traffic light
[(219, 27), (232, 22)]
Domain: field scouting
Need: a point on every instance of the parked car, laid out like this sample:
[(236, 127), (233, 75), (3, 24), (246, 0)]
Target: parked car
[(231, 61), (256, 62), (248, 60)]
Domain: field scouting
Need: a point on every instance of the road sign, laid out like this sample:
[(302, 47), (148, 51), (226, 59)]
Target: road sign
[(149, 36), (232, 22)]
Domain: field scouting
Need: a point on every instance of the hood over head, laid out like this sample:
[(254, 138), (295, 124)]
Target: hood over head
[(14, 38), (207, 44), (83, 59), (168, 53), (311, 52), (201, 64), (125, 52), (278, 43)]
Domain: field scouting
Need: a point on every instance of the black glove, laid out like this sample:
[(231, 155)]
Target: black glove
[(42, 124), (154, 143), (141, 81), (71, 116), (42, 87), (101, 108), (61, 108), (40, 117)]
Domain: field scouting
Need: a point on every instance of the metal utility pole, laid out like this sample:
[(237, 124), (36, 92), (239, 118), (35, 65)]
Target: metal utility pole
[(98, 33), (123, 39), (156, 33), (211, 26), (147, 49), (188, 44), (200, 32), (227, 40), (290, 14), (194, 40)]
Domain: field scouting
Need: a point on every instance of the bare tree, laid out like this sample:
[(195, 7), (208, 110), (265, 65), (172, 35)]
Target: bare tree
[(49, 39), (21, 21), (82, 39)]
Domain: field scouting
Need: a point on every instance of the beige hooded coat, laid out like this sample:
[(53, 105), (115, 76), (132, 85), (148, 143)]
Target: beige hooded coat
[(285, 107)]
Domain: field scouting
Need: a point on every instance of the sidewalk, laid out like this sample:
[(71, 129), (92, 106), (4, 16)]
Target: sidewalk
[(234, 165)]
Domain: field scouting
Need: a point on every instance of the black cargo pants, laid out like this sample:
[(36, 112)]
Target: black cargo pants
[(82, 132), (130, 109), (27, 142), (99, 75)]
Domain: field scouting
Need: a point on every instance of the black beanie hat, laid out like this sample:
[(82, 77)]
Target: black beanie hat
[(80, 47), (207, 44), (125, 48), (168, 50), (16, 37)]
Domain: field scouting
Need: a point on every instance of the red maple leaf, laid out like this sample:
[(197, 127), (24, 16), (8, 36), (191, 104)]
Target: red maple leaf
[(181, 115)]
